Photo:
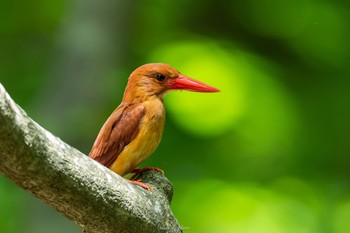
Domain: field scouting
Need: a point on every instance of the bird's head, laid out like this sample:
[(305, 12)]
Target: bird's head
[(157, 78)]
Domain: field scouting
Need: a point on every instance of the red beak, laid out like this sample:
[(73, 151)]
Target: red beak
[(185, 83)]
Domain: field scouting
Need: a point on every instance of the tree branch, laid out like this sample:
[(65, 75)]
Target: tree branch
[(86, 192)]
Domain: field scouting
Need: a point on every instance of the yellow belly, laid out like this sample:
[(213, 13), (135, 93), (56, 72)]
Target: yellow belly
[(145, 143)]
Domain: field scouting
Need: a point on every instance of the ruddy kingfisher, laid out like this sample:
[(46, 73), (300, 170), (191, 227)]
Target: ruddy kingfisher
[(133, 131)]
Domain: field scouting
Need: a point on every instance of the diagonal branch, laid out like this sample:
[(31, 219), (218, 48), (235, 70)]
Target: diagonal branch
[(86, 192)]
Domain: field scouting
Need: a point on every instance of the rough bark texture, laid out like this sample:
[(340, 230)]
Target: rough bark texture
[(86, 192)]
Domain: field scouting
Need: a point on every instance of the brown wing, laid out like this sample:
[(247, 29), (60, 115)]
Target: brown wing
[(118, 131)]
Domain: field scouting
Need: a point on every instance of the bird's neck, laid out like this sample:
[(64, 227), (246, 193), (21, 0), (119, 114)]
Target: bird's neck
[(140, 94)]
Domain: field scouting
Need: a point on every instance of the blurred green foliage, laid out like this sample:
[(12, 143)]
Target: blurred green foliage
[(270, 153)]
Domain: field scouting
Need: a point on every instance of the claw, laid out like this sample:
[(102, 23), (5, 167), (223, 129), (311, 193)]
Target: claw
[(137, 171), (139, 183)]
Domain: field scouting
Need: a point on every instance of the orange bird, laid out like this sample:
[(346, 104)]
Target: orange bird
[(133, 131)]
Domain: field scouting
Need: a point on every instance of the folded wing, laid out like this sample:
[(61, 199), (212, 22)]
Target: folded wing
[(118, 131)]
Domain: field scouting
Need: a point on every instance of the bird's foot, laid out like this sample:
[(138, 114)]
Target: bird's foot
[(138, 171), (139, 183)]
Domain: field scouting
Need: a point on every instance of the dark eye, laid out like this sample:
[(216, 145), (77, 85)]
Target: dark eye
[(160, 77)]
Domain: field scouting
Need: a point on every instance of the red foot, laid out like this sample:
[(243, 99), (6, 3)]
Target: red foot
[(139, 183), (137, 171)]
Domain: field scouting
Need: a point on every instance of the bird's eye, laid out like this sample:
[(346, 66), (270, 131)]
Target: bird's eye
[(160, 77)]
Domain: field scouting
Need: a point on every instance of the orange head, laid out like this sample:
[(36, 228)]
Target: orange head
[(157, 78)]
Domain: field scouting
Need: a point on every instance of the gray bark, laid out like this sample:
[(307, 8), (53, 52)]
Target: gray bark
[(83, 190)]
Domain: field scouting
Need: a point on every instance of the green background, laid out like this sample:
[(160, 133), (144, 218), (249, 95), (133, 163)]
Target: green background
[(268, 154)]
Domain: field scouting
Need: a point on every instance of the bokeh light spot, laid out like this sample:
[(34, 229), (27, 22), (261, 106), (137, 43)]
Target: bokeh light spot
[(341, 218), (204, 113), (223, 207)]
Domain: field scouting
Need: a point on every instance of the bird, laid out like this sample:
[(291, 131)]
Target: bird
[(134, 129)]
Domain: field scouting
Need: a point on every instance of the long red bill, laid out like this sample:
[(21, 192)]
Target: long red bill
[(185, 83)]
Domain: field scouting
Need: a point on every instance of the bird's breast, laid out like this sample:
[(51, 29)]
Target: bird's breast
[(150, 133)]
